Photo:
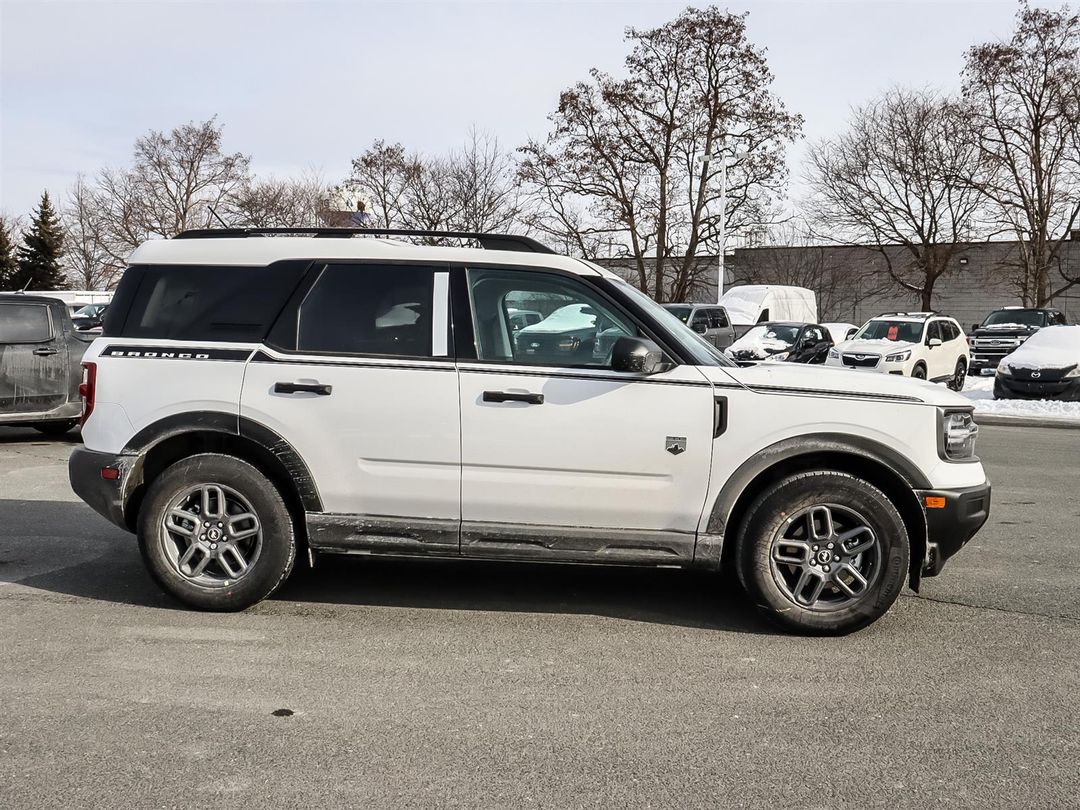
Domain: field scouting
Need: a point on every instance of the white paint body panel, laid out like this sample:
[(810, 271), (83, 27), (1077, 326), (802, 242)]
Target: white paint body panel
[(592, 455), (386, 440)]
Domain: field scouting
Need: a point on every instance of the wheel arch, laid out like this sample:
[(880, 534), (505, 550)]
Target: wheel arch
[(163, 443), (867, 459)]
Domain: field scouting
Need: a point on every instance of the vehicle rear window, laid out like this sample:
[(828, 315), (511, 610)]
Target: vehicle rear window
[(205, 302), (24, 323)]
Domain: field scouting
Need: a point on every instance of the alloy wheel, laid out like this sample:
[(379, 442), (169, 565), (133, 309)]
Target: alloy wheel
[(825, 557), (211, 535)]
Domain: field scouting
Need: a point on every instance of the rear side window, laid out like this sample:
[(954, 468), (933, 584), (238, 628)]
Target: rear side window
[(718, 319), (368, 309), (204, 302), (24, 323)]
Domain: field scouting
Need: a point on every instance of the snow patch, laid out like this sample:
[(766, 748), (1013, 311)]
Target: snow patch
[(980, 390)]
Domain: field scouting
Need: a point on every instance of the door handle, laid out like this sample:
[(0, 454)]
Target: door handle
[(303, 388), (44, 351), (513, 396)]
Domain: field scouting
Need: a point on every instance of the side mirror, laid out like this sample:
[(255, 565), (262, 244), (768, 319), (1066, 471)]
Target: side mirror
[(932, 342), (851, 333), (975, 326), (633, 355)]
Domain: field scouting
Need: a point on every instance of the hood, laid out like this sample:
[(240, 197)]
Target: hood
[(1055, 347), (1004, 330), (839, 380), (880, 346)]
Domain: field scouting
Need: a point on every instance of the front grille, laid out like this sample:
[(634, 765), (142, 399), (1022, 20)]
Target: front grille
[(860, 360), (1037, 390)]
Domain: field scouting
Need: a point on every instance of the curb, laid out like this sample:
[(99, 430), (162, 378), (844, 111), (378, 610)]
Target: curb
[(1026, 421)]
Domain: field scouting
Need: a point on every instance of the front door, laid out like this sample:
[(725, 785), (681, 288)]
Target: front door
[(34, 373), (562, 457), (364, 389)]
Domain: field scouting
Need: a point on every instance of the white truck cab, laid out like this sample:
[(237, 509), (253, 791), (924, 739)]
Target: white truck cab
[(256, 395)]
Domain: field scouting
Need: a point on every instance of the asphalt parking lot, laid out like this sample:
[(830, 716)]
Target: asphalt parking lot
[(373, 683)]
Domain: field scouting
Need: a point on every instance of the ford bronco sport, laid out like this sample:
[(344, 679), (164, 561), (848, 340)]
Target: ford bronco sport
[(258, 396)]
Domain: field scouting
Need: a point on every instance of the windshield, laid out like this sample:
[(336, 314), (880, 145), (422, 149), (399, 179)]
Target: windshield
[(771, 333), (1019, 317), (679, 311), (702, 352), (898, 331)]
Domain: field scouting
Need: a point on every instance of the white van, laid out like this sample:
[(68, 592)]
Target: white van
[(752, 304)]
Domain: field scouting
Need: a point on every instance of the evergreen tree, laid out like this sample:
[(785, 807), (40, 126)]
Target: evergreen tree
[(39, 255), (9, 265)]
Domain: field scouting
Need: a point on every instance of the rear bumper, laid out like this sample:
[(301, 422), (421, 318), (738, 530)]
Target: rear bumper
[(950, 526), (104, 496)]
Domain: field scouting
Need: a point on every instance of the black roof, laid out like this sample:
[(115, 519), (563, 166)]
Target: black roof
[(488, 241)]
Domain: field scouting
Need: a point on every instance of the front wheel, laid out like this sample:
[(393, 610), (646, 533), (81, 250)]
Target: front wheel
[(919, 372), (215, 533), (823, 553), (956, 382)]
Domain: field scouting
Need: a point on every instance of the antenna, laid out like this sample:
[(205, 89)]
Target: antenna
[(219, 219)]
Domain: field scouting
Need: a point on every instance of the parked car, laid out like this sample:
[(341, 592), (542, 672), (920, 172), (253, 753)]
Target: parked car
[(1047, 366), (791, 342), (246, 407), (923, 345), (40, 354), (88, 318), (520, 318), (1003, 331), (708, 320)]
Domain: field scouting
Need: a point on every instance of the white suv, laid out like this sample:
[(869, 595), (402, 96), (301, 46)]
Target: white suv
[(257, 396), (922, 345)]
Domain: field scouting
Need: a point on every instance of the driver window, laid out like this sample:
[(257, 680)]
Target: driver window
[(534, 318), (933, 330), (700, 321)]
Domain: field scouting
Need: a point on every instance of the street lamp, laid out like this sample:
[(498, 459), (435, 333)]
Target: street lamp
[(723, 210)]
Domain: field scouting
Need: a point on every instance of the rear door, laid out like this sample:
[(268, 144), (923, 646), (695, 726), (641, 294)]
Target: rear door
[(33, 359), (562, 457), (357, 376)]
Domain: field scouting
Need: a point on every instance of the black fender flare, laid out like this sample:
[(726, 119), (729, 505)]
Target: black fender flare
[(232, 425), (710, 544)]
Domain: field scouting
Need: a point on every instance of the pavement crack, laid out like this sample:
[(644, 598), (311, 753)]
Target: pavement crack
[(958, 603)]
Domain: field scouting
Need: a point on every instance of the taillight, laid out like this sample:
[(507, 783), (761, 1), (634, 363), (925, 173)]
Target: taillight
[(88, 390)]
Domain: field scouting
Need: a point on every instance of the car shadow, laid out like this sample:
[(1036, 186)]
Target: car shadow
[(27, 435), (65, 548)]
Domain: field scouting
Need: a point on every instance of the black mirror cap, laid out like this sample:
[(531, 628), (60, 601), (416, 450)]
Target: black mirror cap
[(975, 326), (634, 355)]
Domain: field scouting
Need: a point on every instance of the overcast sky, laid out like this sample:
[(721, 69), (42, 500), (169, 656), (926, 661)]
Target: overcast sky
[(302, 85)]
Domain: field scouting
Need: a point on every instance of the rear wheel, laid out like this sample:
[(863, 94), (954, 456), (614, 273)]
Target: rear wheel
[(956, 383), (215, 533), (823, 553), (55, 428), (919, 372)]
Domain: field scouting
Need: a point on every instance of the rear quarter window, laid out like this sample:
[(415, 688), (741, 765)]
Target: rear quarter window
[(24, 323), (202, 302)]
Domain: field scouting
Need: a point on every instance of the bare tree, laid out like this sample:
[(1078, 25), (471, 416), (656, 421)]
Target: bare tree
[(89, 263), (382, 175), (1024, 97), (484, 179), (898, 177), (174, 180), (299, 202), (635, 163)]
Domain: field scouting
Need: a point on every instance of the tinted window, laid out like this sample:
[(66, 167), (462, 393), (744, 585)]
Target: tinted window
[(577, 326), (24, 323), (1016, 317), (813, 335), (679, 311), (950, 330), (903, 331), (368, 309), (933, 331), (700, 320), (718, 319), (206, 302)]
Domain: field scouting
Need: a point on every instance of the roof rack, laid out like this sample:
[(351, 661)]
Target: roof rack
[(907, 314), (488, 241)]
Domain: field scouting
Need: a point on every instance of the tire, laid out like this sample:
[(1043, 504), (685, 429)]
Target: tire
[(777, 525), (55, 428), (255, 538), (919, 372), (956, 382)]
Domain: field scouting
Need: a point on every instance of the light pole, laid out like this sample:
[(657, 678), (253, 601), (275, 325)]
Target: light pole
[(723, 211)]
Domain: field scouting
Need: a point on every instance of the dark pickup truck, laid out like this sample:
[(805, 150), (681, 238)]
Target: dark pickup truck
[(40, 363), (1003, 331)]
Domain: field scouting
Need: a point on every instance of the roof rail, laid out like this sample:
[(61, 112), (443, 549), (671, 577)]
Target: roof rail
[(907, 314), (488, 241)]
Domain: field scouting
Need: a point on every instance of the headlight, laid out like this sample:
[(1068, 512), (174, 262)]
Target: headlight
[(834, 354), (958, 435), (1003, 370), (899, 357), (778, 357), (1074, 372)]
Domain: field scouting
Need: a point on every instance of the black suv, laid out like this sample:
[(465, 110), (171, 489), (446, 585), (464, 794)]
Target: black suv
[(1003, 331)]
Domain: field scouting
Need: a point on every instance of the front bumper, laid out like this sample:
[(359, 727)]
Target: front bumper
[(104, 496), (1066, 388), (953, 517)]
